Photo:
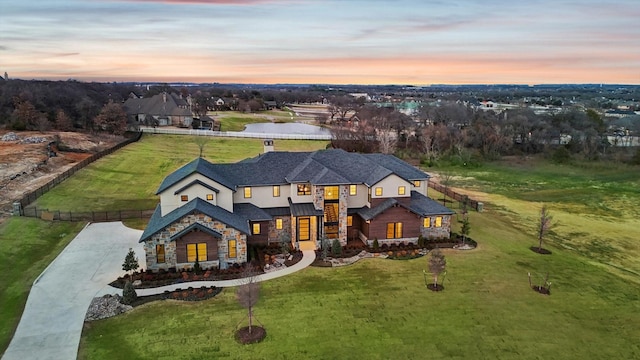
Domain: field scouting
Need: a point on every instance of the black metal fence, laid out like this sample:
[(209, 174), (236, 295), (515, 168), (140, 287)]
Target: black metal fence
[(93, 216), (33, 195)]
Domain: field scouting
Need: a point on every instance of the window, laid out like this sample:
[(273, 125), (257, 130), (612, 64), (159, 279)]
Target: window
[(331, 193), (209, 197), (304, 189), (353, 190), (256, 229), (304, 229), (394, 230), (160, 254), (279, 224), (349, 220), (197, 251), (184, 197), (438, 221), (232, 249), (416, 183), (247, 192), (369, 194), (426, 222), (276, 190), (378, 191), (401, 190)]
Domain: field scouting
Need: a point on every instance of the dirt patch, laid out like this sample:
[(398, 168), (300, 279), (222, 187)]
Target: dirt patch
[(256, 334), (26, 164)]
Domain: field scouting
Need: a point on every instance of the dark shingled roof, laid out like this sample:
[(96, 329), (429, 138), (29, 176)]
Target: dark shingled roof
[(158, 222), (324, 167), (304, 209), (251, 212), (425, 206), (199, 182), (420, 205)]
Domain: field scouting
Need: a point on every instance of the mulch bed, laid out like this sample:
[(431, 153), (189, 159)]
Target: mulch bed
[(541, 289), (189, 294), (436, 287), (258, 333), (540, 250)]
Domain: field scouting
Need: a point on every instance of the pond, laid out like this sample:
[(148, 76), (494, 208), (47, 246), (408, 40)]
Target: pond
[(286, 128)]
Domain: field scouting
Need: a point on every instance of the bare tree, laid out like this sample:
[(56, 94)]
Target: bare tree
[(437, 265), (112, 119), (544, 225), (63, 121), (248, 292), (201, 141)]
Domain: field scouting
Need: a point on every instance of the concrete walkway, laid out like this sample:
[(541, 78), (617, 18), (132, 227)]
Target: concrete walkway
[(53, 317), (308, 256)]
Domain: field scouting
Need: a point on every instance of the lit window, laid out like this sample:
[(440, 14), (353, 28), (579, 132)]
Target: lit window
[(197, 251), (279, 224), (426, 222), (184, 197), (247, 192), (209, 197), (330, 192), (378, 191), (401, 190), (416, 183), (438, 221), (232, 249), (353, 190), (304, 189), (256, 229), (394, 230), (349, 220), (160, 253), (369, 194), (276, 190)]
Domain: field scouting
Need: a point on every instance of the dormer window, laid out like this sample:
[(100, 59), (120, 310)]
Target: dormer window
[(378, 191), (416, 183), (304, 189), (353, 190), (209, 197), (276, 190), (184, 198), (401, 190), (247, 192)]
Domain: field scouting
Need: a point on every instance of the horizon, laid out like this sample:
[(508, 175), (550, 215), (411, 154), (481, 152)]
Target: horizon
[(374, 43)]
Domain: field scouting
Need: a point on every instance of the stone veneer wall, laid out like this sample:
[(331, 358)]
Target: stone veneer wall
[(393, 241), (275, 234), (164, 236), (437, 232), (342, 213)]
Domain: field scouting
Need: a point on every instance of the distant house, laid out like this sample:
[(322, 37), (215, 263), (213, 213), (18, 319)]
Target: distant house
[(160, 110), (212, 212)]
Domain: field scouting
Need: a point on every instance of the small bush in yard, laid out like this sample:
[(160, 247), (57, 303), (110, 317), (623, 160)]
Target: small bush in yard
[(129, 294), (336, 248)]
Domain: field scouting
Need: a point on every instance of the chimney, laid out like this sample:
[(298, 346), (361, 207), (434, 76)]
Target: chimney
[(268, 145), (164, 97)]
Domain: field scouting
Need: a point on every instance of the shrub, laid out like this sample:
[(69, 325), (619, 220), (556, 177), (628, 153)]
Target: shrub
[(336, 248), (376, 245), (129, 294), (196, 268), (421, 241)]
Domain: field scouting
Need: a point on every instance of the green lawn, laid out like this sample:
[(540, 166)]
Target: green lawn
[(595, 205), (27, 247), (380, 309), (128, 179)]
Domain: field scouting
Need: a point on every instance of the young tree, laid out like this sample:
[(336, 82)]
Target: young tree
[(544, 225), (248, 292), (201, 141), (466, 227), (336, 248), (130, 262), (437, 265), (63, 121)]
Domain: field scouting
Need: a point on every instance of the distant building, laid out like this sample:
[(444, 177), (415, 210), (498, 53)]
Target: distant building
[(160, 110)]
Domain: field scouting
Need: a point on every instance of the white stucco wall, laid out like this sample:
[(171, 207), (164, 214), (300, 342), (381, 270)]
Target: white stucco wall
[(390, 186), (170, 201)]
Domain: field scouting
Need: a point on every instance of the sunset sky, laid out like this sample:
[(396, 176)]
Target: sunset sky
[(329, 42)]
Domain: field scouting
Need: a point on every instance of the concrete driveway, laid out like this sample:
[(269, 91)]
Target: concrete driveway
[(52, 320)]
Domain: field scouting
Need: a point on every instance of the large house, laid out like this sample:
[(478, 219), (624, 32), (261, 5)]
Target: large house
[(212, 212), (160, 110)]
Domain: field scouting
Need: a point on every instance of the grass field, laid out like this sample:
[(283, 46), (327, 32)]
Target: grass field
[(380, 309), (236, 121), (129, 179), (595, 205), (27, 247)]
